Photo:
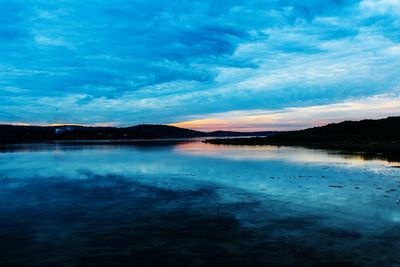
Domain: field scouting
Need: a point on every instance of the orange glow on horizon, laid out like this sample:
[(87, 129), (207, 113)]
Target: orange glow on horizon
[(211, 125), (295, 118)]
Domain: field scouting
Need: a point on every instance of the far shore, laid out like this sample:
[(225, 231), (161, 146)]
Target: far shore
[(386, 150)]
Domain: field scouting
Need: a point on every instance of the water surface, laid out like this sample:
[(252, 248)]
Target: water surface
[(195, 204)]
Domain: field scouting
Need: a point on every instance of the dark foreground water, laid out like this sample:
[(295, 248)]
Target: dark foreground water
[(193, 204)]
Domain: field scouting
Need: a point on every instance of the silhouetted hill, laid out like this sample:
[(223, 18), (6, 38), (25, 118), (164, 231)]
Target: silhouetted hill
[(17, 134), (233, 134), (147, 131), (383, 134)]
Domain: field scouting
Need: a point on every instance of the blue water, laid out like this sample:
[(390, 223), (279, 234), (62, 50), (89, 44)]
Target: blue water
[(196, 204)]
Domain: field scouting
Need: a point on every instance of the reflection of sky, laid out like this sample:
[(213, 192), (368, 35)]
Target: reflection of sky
[(296, 175), (290, 154)]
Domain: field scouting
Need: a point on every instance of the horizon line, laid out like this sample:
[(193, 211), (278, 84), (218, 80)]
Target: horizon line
[(208, 130)]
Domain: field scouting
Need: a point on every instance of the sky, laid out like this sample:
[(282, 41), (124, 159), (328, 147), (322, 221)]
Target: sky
[(203, 64)]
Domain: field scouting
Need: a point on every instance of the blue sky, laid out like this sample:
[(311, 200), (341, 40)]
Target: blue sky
[(243, 65)]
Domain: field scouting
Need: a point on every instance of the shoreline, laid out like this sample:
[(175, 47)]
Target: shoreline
[(389, 151)]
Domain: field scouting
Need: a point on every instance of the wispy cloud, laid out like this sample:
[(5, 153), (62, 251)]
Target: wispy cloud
[(297, 118)]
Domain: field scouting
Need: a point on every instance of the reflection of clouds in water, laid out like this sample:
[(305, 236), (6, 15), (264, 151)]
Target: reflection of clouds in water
[(279, 191), (291, 154), (118, 215), (303, 174)]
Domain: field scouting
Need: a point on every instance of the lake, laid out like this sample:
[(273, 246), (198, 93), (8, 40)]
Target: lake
[(187, 203)]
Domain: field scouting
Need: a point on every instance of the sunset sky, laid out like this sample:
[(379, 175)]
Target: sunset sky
[(202, 64)]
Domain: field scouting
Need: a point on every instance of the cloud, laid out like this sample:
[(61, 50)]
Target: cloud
[(375, 107), (127, 62)]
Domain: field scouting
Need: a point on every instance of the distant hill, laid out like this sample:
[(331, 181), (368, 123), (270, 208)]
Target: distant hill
[(18, 134), (238, 134), (383, 134)]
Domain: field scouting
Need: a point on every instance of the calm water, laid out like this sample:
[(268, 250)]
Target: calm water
[(193, 204)]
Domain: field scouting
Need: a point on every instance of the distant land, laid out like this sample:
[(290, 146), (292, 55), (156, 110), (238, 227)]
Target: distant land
[(375, 136), (24, 134)]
